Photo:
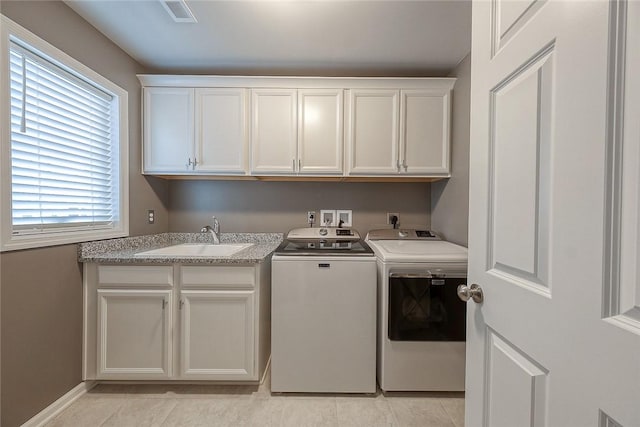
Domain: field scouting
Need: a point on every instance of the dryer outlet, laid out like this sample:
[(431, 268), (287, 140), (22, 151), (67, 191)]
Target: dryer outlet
[(390, 218)]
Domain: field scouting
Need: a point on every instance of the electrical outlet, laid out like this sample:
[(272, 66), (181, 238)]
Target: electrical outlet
[(390, 216), (151, 216), (311, 217)]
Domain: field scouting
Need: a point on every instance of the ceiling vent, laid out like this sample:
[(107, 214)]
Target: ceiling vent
[(179, 11)]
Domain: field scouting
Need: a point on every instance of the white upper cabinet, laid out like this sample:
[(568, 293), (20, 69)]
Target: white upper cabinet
[(297, 131), (320, 131), (373, 131), (410, 137), (168, 129), (221, 130), (424, 133), (190, 131), (297, 126), (273, 131)]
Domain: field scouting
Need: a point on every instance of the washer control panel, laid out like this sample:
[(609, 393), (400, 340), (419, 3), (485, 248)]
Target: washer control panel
[(401, 234), (323, 233)]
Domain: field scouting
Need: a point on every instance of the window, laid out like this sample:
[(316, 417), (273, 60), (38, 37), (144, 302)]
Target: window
[(66, 148)]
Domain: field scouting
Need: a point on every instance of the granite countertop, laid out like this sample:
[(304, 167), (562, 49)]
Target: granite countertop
[(122, 251)]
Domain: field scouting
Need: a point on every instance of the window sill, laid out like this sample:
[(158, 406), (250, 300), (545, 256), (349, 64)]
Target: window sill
[(56, 239)]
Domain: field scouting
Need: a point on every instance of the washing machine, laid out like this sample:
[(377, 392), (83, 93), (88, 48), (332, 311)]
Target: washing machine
[(323, 315), (421, 324)]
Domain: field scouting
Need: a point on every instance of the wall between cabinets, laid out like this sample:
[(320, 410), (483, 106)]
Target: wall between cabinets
[(41, 289), (255, 206), (450, 198)]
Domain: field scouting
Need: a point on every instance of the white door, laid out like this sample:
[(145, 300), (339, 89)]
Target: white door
[(221, 130), (168, 129), (554, 226), (218, 335), (273, 131), (373, 132), (134, 329), (320, 131), (424, 132)]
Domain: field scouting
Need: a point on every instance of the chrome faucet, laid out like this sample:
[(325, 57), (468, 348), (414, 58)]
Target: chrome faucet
[(215, 230)]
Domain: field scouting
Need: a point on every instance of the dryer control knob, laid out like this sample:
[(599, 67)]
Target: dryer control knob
[(323, 231)]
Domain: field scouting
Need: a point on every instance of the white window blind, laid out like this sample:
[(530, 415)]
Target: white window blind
[(64, 162)]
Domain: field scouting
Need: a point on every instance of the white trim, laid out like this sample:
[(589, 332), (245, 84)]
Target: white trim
[(266, 371), (8, 241), (53, 410), (435, 83)]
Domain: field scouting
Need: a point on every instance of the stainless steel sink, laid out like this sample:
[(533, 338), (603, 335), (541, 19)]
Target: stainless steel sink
[(196, 250)]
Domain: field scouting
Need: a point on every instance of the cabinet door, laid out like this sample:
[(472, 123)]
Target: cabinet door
[(168, 129), (221, 130), (320, 131), (134, 334), (218, 335), (273, 131), (373, 132), (424, 133)]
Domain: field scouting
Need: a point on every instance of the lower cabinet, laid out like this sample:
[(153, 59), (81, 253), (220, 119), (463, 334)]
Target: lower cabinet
[(134, 329), (176, 322), (217, 335)]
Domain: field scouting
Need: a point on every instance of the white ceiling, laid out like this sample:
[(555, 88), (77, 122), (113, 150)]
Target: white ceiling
[(322, 37)]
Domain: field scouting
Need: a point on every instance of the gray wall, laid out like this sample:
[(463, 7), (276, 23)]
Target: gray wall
[(280, 206), (41, 290), (41, 330), (450, 198)]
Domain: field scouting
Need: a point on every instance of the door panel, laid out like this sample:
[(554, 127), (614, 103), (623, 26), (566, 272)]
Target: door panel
[(320, 131), (134, 334), (554, 230), (373, 131), (623, 290), (217, 330), (221, 126), (274, 137), (424, 132), (509, 17), (521, 119), (516, 391), (168, 129)]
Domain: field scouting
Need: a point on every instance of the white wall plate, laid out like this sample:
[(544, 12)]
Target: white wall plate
[(344, 215), (328, 218)]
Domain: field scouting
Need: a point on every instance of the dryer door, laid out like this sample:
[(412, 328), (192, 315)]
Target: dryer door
[(425, 308)]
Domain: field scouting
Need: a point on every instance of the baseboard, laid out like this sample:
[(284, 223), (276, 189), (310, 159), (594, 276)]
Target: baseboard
[(53, 410), (266, 370)]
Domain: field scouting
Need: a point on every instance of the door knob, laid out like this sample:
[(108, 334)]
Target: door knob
[(474, 292)]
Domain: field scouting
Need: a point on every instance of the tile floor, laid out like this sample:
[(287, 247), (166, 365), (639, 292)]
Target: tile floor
[(217, 405)]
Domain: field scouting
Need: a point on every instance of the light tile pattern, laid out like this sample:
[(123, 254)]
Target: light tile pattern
[(251, 405)]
